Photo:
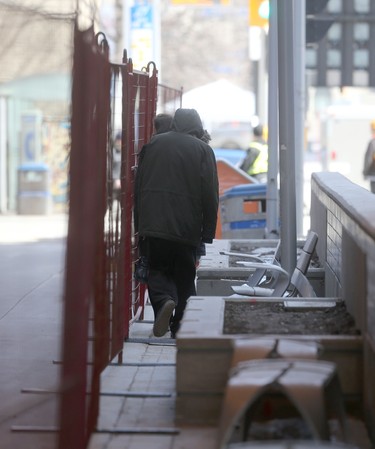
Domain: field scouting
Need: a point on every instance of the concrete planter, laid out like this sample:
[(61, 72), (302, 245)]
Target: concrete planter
[(204, 355)]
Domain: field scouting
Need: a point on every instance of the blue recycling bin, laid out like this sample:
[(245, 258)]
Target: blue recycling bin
[(243, 212), (34, 196)]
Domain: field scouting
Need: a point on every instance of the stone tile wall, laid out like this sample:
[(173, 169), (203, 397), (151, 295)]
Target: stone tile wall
[(343, 215)]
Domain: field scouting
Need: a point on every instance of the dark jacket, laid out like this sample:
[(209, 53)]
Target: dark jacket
[(176, 188)]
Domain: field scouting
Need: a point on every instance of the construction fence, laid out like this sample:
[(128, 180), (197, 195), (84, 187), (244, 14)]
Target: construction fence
[(101, 298)]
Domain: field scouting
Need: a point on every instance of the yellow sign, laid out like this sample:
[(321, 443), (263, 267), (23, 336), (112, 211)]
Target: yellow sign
[(258, 13)]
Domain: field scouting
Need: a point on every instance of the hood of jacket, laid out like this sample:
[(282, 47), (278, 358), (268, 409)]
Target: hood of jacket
[(187, 121)]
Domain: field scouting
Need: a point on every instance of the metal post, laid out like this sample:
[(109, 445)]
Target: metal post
[(287, 135), (299, 51), (262, 74), (157, 37), (3, 155), (272, 209), (119, 14)]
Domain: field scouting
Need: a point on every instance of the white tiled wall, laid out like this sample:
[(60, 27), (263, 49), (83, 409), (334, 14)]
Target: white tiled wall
[(343, 215)]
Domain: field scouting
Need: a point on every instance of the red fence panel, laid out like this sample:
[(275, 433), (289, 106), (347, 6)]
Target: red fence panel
[(169, 99), (101, 297), (139, 107), (84, 286)]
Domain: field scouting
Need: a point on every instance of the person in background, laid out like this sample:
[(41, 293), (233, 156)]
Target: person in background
[(176, 204), (255, 162), (369, 161), (116, 168), (162, 123)]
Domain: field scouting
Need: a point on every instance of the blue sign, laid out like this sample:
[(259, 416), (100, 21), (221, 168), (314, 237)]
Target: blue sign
[(30, 132), (29, 145), (141, 17)]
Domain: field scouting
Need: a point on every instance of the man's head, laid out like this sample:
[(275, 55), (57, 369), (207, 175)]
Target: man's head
[(162, 123), (372, 126), (187, 121)]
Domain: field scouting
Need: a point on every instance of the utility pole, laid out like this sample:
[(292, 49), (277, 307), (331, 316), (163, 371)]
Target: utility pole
[(273, 207), (3, 155), (299, 98), (119, 42), (287, 143)]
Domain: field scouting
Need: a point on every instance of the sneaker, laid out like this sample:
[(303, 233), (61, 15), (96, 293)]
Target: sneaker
[(161, 323)]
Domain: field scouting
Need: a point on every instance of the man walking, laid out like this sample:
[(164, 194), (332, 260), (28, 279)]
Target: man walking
[(176, 202)]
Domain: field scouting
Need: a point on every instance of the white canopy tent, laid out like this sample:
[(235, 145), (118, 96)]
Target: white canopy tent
[(221, 101)]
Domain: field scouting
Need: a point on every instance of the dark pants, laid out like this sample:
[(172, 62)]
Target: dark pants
[(172, 274)]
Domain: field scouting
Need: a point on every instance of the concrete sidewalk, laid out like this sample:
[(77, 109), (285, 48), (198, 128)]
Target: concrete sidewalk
[(32, 252), (32, 228), (138, 412)]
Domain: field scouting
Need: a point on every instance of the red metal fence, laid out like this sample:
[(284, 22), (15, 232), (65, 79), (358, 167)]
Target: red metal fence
[(101, 297)]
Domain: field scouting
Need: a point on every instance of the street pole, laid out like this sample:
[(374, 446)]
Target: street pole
[(262, 74), (287, 143), (300, 90), (272, 208), (3, 155), (119, 26)]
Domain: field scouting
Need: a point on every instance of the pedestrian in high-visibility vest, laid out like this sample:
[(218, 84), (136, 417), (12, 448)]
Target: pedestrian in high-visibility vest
[(255, 162), (369, 161)]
